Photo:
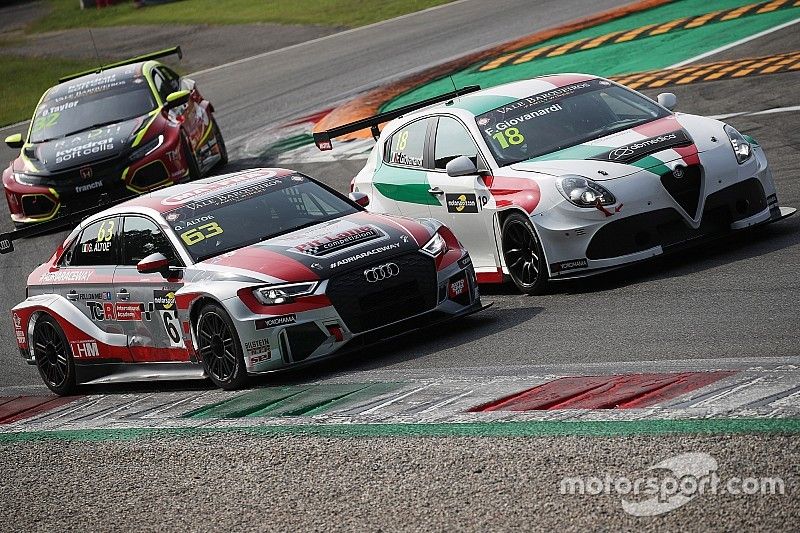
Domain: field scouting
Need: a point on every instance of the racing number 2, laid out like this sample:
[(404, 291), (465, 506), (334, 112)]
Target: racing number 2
[(509, 137), (195, 235)]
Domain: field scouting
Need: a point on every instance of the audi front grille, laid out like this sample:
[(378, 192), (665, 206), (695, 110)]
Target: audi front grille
[(385, 292)]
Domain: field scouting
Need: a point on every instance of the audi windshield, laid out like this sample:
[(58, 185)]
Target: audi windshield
[(567, 116), (234, 219)]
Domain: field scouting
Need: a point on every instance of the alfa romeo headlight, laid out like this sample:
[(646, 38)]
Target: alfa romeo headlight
[(281, 294), (741, 147), (584, 192)]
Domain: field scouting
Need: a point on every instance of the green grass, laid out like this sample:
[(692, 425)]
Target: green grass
[(26, 78), (66, 14)]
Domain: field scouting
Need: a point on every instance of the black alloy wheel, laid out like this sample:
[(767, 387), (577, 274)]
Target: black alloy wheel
[(53, 356), (523, 254), (219, 347)]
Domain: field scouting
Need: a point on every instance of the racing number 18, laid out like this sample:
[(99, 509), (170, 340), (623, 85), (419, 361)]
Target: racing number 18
[(508, 137)]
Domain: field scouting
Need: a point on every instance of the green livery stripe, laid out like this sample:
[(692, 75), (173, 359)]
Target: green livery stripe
[(617, 428), (404, 185)]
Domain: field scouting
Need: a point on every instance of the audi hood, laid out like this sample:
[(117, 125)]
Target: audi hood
[(326, 249)]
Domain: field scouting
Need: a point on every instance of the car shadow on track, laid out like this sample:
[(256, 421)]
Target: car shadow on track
[(741, 246)]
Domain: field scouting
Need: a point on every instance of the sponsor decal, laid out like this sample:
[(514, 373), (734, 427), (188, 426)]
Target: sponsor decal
[(635, 151), (88, 187), (461, 203), (457, 288), (66, 275), (94, 296), (329, 244), (364, 255), (18, 329), (260, 358), (464, 262), (21, 338), (381, 272), (678, 172), (572, 264), (108, 311), (164, 300), (257, 347), (17, 321), (85, 349), (86, 173), (6, 246), (186, 196), (264, 323), (88, 148), (129, 311)]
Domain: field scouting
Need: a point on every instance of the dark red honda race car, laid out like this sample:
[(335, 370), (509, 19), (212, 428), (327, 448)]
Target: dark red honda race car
[(103, 135)]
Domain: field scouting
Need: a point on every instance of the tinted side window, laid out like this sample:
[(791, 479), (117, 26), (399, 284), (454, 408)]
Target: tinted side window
[(142, 238), (407, 145), (163, 85), (98, 244), (453, 140)]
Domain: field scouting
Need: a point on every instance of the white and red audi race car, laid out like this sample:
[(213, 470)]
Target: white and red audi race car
[(563, 176), (232, 276)]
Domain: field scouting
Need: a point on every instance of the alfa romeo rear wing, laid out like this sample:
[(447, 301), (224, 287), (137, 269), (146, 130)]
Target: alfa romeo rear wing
[(39, 228), (175, 50), (323, 138)]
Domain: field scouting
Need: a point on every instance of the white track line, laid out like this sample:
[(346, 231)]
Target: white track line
[(735, 43), (764, 112), (326, 37)]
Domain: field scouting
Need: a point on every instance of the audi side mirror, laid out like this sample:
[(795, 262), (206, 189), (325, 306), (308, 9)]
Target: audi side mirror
[(461, 166), (668, 100), (177, 99), (156, 262), (360, 198)]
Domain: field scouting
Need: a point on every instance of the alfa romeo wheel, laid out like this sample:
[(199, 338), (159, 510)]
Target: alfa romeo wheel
[(220, 349), (523, 255), (53, 356)]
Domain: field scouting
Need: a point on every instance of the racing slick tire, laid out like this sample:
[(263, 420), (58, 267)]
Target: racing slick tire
[(220, 349), (223, 151), (523, 254), (53, 356), (191, 159)]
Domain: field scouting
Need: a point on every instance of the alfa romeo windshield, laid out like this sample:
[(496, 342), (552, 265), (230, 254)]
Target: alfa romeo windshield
[(563, 117), (253, 213)]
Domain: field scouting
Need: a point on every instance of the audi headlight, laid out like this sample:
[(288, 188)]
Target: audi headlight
[(147, 149), (435, 246), (741, 147), (26, 179), (584, 192), (281, 294)]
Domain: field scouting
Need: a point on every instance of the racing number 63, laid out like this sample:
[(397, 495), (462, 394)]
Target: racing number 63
[(195, 235), (103, 234)]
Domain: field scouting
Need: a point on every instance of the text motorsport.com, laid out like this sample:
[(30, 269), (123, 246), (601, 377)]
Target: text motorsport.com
[(671, 483)]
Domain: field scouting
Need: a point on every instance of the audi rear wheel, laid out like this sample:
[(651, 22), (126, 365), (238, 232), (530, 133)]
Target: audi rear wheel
[(523, 254), (53, 356), (219, 347)]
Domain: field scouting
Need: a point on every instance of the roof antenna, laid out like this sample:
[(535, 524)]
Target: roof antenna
[(453, 82), (96, 53)]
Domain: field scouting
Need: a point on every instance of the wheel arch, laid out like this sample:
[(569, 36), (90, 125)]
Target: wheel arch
[(501, 217)]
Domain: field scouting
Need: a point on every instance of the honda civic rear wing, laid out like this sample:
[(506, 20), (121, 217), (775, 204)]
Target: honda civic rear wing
[(323, 138), (175, 50)]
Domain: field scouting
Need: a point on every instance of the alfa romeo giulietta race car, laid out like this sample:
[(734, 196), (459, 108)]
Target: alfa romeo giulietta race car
[(563, 176), (101, 136), (234, 275)]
